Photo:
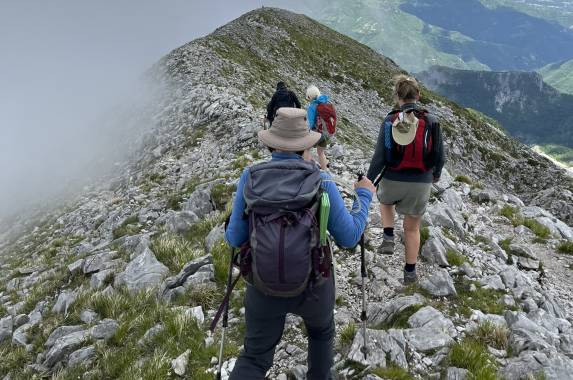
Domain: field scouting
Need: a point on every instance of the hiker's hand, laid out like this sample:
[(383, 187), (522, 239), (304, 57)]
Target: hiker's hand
[(365, 183)]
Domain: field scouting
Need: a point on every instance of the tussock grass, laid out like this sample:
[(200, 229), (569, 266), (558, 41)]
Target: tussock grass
[(129, 227), (174, 250), (508, 211), (492, 335), (517, 219), (221, 195), (221, 259), (207, 296), (424, 236), (455, 258), (14, 358), (566, 247), (122, 357), (463, 179), (393, 372), (473, 355), (347, 335), (485, 300)]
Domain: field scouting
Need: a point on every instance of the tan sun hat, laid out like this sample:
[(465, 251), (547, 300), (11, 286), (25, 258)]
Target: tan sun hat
[(289, 131), (404, 128)]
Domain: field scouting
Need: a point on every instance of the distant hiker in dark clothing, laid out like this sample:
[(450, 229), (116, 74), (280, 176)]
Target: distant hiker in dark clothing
[(321, 118), (409, 156), (271, 193), (283, 97)]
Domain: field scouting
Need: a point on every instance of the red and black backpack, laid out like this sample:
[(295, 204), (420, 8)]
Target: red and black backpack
[(420, 153), (326, 119)]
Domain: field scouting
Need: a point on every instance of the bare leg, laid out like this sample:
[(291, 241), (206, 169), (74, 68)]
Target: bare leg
[(412, 237), (387, 214), (322, 157)]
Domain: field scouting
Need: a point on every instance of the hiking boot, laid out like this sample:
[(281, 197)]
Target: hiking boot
[(410, 277), (387, 247)]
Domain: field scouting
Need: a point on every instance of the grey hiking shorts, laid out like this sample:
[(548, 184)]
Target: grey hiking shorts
[(410, 198)]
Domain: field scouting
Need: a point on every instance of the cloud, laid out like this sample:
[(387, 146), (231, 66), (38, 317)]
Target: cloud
[(65, 65)]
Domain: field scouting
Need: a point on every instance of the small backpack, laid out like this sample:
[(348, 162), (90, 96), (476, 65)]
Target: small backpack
[(284, 99), (283, 256), (419, 154), (326, 119)]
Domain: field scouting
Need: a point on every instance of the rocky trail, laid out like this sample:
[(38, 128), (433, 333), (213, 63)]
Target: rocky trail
[(122, 282)]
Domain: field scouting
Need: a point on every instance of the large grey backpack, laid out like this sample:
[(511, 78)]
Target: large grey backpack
[(283, 256)]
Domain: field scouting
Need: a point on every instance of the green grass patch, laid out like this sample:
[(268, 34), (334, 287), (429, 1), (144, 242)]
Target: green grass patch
[(485, 300), (221, 195), (424, 235), (136, 313), (400, 319), (473, 355), (347, 335), (129, 227), (505, 244), (221, 258), (240, 163), (491, 335), (174, 251), (508, 211), (14, 359), (392, 372), (566, 247), (537, 228), (455, 258), (463, 179)]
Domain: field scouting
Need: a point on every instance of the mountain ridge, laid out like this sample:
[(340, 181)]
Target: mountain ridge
[(120, 283), (521, 101)]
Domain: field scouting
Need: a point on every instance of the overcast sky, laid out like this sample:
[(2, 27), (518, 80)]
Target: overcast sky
[(63, 63)]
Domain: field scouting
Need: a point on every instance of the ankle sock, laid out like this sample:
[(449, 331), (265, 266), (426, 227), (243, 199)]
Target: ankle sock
[(410, 267), (389, 232)]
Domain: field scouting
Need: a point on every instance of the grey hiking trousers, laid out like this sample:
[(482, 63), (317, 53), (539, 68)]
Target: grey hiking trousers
[(265, 319)]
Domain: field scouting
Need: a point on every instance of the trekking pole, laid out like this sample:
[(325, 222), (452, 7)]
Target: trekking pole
[(363, 274), (225, 314)]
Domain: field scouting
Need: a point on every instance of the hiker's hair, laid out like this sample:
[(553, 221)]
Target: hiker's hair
[(406, 88), (312, 92)]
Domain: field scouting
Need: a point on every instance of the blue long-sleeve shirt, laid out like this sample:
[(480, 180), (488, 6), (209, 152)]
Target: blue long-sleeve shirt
[(311, 111), (344, 226)]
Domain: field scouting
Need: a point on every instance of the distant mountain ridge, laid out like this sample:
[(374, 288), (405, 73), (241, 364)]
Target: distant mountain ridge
[(559, 75), (525, 105), (464, 34)]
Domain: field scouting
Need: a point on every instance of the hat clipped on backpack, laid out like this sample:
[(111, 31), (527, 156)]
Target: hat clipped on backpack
[(404, 128), (289, 131)]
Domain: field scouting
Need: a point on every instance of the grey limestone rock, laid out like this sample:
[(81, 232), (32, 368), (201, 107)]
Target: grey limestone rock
[(143, 272), (60, 332), (380, 313), (199, 203), (64, 301), (426, 339), (6, 326), (105, 329), (380, 345), (435, 252), (181, 222), (439, 284), (82, 356), (431, 318), (64, 346)]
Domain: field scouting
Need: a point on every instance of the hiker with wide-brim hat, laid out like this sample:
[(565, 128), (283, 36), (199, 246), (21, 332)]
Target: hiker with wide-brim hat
[(409, 157), (271, 202)]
